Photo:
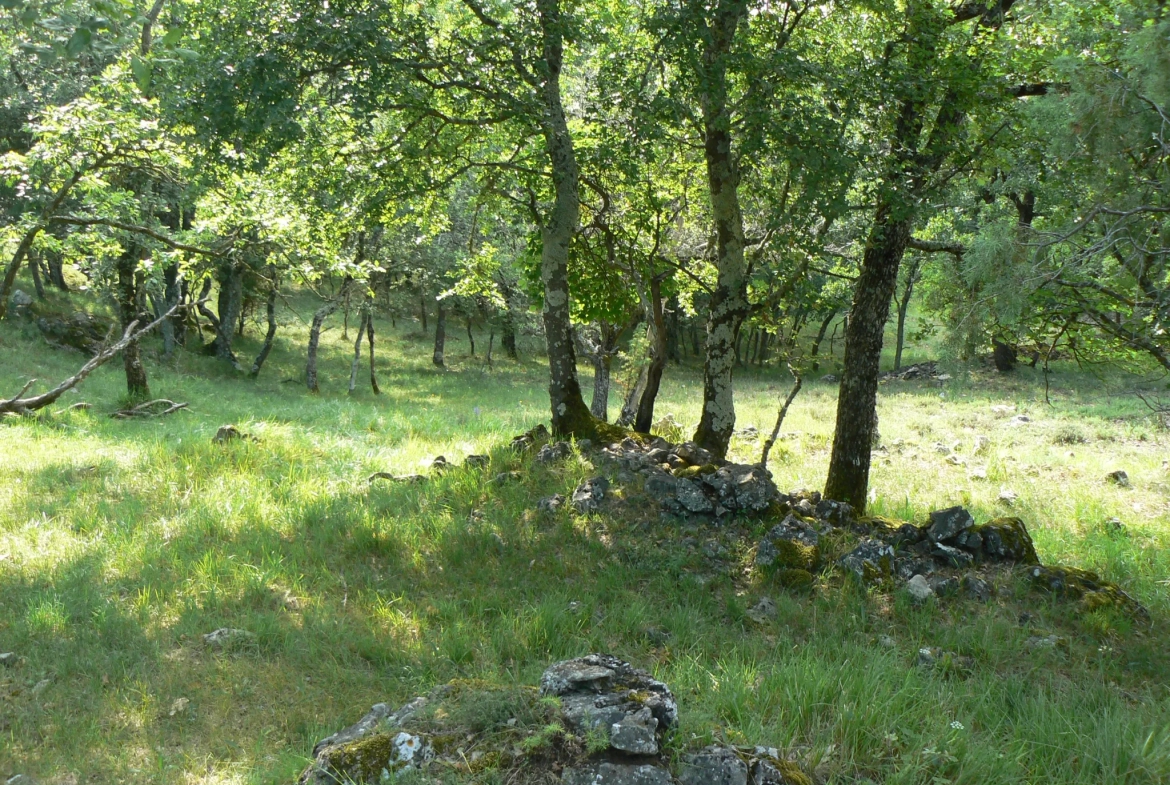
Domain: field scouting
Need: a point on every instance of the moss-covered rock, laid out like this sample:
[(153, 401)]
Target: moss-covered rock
[(1088, 588), (776, 554), (794, 578), (1007, 540), (366, 759)]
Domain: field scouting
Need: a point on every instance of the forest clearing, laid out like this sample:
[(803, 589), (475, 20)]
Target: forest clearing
[(550, 392)]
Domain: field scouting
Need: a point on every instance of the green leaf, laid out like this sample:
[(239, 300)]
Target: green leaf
[(78, 42), (173, 36), (141, 70)]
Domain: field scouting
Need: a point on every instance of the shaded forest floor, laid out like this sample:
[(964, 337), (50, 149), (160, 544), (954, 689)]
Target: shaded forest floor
[(123, 542)]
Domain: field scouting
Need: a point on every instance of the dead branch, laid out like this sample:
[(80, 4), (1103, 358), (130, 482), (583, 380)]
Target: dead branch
[(149, 409), (24, 406), (780, 417)]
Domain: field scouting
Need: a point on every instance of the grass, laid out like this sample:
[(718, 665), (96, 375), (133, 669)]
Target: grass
[(122, 542)]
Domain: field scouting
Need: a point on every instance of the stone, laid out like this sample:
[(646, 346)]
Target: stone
[(975, 587), (1007, 540), (229, 433), (944, 586), (372, 758), (1020, 419), (907, 568), (476, 461), (227, 637), (918, 589), (872, 560), (20, 779), (661, 486), (1119, 478), (599, 691), (1088, 588), (981, 443), (790, 544), (690, 497), (552, 453), (830, 378), (713, 766), (886, 642), (606, 773), (657, 455), (934, 658), (504, 477), (1042, 642), (951, 556), (908, 534), (440, 464), (550, 503), (8, 659), (693, 454), (589, 494), (19, 301), (949, 523), (79, 331), (527, 440), (635, 733), (835, 512), (763, 611), (773, 771), (970, 540)]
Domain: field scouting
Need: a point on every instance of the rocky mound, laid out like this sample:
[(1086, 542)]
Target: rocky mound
[(595, 720)]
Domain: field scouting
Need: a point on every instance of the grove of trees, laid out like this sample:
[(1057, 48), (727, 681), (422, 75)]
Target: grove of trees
[(728, 179)]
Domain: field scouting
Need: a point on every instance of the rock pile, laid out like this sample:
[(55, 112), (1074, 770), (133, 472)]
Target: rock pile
[(607, 729)]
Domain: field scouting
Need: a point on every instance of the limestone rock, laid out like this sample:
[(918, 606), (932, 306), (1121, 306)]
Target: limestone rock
[(589, 494), (791, 544), (976, 588), (774, 771), (606, 773), (691, 498), (1119, 478), (1007, 540), (476, 461), (835, 512), (635, 733), (552, 453), (601, 691), (918, 589), (79, 331), (693, 454), (8, 659), (440, 464), (713, 766), (949, 523), (872, 560), (551, 503), (227, 637), (230, 433), (1088, 588)]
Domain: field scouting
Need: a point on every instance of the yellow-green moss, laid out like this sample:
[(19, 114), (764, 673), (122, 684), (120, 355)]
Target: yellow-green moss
[(794, 578), (363, 760)]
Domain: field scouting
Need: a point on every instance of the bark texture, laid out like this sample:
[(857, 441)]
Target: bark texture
[(570, 416), (270, 335), (729, 305), (314, 339), (440, 336), (137, 386), (230, 277)]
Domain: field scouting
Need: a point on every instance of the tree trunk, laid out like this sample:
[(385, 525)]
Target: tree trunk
[(314, 339), (729, 305), (816, 347), (137, 387), (171, 327), (440, 335), (673, 344), (56, 270), (470, 337), (629, 412), (370, 337), (570, 416), (848, 479), (903, 308), (270, 309), (34, 268), (658, 351), (422, 309), (357, 352), (230, 301), (599, 406)]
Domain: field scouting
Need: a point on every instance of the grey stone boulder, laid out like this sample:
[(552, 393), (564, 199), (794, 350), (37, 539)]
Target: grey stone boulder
[(872, 560), (379, 717), (835, 512), (606, 773), (919, 589), (741, 487), (602, 691), (589, 494), (951, 556), (713, 766), (551, 503), (476, 461), (552, 453), (691, 498), (693, 454), (949, 523)]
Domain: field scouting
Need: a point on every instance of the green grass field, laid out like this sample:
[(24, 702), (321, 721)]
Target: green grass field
[(122, 542)]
